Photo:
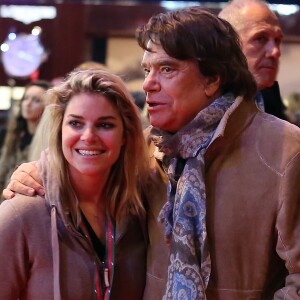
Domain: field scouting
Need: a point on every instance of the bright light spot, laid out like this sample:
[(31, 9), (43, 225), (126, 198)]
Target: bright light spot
[(4, 47), (36, 30), (284, 9), (172, 5), (12, 36), (28, 13), (7, 93)]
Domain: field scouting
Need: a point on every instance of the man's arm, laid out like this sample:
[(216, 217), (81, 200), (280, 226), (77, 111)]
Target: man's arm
[(288, 229), (25, 180)]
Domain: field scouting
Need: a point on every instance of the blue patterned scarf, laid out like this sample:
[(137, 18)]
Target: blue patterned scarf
[(185, 210)]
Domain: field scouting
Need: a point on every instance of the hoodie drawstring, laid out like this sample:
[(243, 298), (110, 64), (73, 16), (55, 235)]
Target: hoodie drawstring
[(55, 254)]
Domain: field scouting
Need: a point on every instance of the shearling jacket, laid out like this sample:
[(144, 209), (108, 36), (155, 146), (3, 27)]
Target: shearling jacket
[(44, 255), (253, 207)]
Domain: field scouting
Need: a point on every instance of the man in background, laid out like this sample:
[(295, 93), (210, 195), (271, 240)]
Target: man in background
[(261, 37)]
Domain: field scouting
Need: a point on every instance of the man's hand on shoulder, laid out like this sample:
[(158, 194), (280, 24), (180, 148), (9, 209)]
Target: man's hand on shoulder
[(25, 180)]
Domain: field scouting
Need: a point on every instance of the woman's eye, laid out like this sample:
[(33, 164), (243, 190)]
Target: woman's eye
[(106, 125), (36, 100), (74, 123)]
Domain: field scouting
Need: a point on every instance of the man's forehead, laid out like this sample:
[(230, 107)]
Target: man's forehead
[(254, 14), (261, 27), (157, 54)]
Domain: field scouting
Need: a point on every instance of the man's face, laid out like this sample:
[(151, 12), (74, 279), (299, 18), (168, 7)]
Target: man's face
[(175, 89), (261, 37)]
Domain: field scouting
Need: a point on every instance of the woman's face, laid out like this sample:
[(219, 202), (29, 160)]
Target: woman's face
[(33, 105), (92, 135)]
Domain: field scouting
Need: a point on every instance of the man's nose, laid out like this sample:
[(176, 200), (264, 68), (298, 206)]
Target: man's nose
[(273, 49), (151, 82)]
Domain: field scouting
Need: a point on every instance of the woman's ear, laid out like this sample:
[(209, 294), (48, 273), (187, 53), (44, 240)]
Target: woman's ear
[(212, 85)]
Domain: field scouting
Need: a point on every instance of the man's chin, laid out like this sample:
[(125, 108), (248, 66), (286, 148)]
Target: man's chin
[(266, 79), (265, 85), (265, 82)]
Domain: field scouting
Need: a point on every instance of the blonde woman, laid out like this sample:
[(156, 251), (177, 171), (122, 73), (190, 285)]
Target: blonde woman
[(86, 238), (21, 129)]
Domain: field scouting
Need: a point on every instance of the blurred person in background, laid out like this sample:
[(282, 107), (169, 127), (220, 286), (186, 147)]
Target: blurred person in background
[(261, 37), (293, 108), (22, 125)]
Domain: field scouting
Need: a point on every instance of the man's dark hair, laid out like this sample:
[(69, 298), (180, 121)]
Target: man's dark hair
[(196, 34)]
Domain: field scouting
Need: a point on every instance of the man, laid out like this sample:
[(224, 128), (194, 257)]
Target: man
[(232, 214), (261, 37)]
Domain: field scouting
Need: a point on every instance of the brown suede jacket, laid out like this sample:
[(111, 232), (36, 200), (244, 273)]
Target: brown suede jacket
[(253, 209)]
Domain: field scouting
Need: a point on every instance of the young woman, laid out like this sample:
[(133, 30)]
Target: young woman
[(86, 238), (21, 129)]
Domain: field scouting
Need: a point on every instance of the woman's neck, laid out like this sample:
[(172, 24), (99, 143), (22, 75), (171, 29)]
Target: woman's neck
[(31, 126), (90, 194), (95, 213), (89, 188)]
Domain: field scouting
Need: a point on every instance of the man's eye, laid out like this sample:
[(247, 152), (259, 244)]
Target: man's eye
[(261, 39), (166, 69), (146, 72), (278, 41)]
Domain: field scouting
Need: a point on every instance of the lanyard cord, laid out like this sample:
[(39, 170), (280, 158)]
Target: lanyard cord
[(110, 257), (108, 265), (108, 269)]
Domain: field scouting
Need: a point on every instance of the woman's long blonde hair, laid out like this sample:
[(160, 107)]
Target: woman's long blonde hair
[(131, 173)]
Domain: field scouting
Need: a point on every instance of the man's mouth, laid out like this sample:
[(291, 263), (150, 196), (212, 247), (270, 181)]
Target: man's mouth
[(154, 104), (151, 104)]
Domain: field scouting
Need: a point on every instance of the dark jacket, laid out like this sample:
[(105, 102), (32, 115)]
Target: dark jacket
[(273, 102)]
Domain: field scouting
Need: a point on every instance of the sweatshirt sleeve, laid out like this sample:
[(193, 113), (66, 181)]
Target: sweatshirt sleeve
[(288, 230), (14, 262)]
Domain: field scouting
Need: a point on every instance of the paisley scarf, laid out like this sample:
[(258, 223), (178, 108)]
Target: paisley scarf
[(185, 210)]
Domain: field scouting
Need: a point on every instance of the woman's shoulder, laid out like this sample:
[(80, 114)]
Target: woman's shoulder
[(24, 206), (24, 220)]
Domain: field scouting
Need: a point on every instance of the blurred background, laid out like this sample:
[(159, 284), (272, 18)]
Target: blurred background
[(46, 39)]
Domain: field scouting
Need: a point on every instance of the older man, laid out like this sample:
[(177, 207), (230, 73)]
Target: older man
[(232, 214), (261, 37)]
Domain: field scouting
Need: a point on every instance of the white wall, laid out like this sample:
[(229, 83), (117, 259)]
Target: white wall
[(289, 71)]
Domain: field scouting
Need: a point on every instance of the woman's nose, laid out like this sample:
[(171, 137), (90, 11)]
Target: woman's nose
[(88, 135)]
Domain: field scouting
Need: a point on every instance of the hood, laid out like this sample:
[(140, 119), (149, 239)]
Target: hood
[(52, 197), (52, 188)]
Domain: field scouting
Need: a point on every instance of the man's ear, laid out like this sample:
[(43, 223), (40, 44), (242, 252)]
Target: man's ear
[(212, 85)]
